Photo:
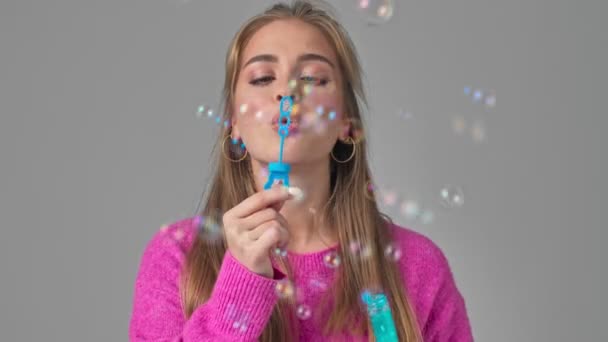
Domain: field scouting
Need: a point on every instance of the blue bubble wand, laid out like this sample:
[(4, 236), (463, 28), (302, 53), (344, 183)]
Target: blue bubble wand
[(279, 170), (379, 312)]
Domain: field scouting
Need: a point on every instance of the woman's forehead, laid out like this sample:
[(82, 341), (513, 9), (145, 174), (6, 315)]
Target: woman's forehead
[(287, 39)]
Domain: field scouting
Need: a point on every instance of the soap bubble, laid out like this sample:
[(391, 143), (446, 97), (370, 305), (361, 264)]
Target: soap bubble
[(389, 197), (392, 252), (490, 99), (236, 149), (369, 190), (284, 288), (410, 209), (478, 131), (243, 108), (208, 227), (303, 312), (332, 259), (360, 250), (204, 110), (451, 196), (427, 217), (376, 12), (281, 252), (458, 125), (477, 95)]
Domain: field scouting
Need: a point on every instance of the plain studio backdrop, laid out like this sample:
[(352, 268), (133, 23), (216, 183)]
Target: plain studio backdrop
[(101, 145)]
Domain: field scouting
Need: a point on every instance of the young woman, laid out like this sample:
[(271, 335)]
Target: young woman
[(291, 263)]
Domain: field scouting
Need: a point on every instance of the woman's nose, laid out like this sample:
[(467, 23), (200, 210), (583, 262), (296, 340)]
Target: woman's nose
[(280, 97)]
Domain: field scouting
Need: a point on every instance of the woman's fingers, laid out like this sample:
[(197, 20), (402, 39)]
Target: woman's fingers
[(259, 201)]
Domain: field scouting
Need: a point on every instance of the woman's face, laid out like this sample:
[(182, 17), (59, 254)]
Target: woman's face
[(280, 55)]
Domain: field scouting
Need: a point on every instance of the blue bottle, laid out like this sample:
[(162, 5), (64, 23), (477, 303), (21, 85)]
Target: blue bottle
[(379, 312)]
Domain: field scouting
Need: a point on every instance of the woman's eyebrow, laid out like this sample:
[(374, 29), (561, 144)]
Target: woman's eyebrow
[(302, 58)]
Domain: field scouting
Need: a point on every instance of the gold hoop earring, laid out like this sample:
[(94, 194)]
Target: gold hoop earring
[(228, 157), (346, 141)]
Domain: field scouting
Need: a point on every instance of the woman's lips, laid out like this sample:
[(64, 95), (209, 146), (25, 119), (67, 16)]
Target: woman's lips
[(292, 128)]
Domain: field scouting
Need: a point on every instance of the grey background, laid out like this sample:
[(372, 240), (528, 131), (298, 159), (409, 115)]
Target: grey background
[(100, 146)]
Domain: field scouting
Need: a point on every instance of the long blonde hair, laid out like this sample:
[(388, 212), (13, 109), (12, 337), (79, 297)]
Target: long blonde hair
[(350, 210)]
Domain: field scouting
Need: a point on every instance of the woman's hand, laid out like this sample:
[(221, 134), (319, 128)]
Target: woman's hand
[(254, 226)]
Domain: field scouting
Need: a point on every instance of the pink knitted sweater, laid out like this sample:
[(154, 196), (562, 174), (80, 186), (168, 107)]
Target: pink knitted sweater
[(242, 301)]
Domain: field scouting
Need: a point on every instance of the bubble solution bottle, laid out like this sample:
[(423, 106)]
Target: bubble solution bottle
[(379, 312)]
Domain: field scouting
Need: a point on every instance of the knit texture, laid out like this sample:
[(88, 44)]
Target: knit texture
[(241, 302)]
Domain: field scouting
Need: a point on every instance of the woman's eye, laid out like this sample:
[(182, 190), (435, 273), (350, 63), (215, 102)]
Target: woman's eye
[(315, 80), (261, 81)]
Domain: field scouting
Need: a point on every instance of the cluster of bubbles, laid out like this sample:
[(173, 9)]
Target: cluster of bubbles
[(476, 129), (303, 311), (376, 12), (208, 227), (451, 196), (240, 321), (332, 259), (481, 96), (284, 288), (208, 112), (404, 114)]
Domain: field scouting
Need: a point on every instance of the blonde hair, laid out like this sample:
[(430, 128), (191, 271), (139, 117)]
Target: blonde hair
[(349, 209)]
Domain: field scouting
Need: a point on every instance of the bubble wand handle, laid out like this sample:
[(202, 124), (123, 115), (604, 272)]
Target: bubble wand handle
[(379, 312), (279, 170)]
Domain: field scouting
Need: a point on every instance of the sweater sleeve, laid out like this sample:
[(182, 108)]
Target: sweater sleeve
[(448, 319), (238, 309)]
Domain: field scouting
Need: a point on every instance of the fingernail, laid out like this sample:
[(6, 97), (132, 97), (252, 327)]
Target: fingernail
[(296, 192)]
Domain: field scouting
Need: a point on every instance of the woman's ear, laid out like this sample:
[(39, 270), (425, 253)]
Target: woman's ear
[(344, 129), (235, 128)]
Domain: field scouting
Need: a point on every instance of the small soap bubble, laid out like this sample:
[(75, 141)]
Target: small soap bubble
[(207, 226), (392, 252), (259, 115), (317, 284), (376, 12), (451, 196), (178, 234), (240, 326), (332, 259), (467, 91), (389, 197), (284, 288), (320, 127), (477, 95), (369, 190), (200, 111), (320, 110), (478, 131), (405, 114), (303, 312), (164, 228), (410, 209), (332, 115), (243, 108), (490, 99), (427, 217), (360, 250), (281, 252), (458, 125), (236, 150)]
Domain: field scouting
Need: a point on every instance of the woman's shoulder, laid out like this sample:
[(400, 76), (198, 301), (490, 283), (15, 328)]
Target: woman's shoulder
[(422, 259), (172, 239)]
